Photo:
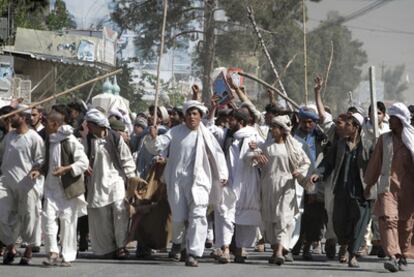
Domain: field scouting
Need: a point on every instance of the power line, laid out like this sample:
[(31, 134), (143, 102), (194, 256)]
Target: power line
[(357, 13), (389, 31)]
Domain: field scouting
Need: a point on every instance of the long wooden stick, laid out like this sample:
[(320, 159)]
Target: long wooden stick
[(328, 70), (374, 115), (305, 54), (41, 80), (157, 86), (264, 47), (285, 70), (94, 80), (280, 93)]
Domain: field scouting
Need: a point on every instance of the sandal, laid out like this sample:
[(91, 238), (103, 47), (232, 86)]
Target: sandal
[(25, 261), (8, 258), (122, 253)]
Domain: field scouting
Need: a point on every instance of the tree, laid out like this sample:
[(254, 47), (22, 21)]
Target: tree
[(228, 40), (60, 17), (394, 85), (286, 41), (26, 13)]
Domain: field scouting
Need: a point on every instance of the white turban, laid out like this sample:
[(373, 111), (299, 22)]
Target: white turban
[(284, 122), (401, 111), (23, 106), (97, 117), (359, 118), (115, 112), (165, 117), (194, 104)]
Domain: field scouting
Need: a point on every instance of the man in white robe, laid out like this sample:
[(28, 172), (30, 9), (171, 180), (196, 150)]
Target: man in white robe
[(111, 164), (23, 149), (244, 179), (285, 163), (195, 164), (58, 205)]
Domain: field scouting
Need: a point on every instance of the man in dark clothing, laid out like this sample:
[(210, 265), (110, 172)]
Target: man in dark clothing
[(347, 160), (314, 216)]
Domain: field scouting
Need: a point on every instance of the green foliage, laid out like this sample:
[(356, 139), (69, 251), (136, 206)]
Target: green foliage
[(286, 42), (26, 13), (394, 85), (145, 18), (60, 18), (236, 44)]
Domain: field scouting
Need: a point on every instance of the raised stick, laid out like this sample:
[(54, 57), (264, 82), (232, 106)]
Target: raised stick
[(63, 93)]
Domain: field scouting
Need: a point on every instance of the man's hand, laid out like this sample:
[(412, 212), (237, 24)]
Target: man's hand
[(295, 174), (318, 84), (252, 145), (34, 174), (231, 83), (214, 102), (271, 97), (62, 170), (367, 192), (314, 178), (196, 91), (89, 171), (261, 159), (153, 131)]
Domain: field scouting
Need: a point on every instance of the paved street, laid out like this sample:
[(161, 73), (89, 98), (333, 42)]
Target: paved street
[(256, 265)]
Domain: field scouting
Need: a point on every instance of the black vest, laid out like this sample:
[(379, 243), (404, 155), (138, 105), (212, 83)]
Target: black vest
[(73, 186)]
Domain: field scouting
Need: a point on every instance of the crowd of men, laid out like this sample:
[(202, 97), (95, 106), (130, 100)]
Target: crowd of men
[(235, 178)]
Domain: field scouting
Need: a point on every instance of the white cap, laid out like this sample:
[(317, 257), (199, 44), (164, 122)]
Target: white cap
[(359, 118)]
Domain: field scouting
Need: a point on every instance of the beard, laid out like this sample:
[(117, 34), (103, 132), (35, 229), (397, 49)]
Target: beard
[(15, 124)]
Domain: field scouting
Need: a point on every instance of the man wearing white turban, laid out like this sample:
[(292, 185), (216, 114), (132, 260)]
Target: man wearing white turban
[(110, 165), (195, 163), (284, 164), (392, 166)]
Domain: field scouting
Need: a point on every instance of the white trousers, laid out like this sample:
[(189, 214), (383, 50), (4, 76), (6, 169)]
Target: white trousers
[(195, 233), (224, 227), (277, 234), (68, 231), (108, 227), (210, 228), (38, 228), (245, 235), (19, 213)]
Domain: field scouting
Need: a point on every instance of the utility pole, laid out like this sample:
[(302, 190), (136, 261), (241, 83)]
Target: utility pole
[(305, 55), (157, 86), (208, 48)]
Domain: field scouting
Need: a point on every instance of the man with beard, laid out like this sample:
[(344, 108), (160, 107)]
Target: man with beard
[(5, 127), (24, 149), (391, 165), (111, 165)]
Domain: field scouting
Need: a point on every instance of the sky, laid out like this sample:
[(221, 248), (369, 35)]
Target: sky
[(387, 33)]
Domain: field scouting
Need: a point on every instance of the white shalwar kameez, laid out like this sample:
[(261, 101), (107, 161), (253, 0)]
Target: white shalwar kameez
[(244, 180), (56, 205), (279, 193), (195, 163), (108, 216), (20, 197), (223, 199)]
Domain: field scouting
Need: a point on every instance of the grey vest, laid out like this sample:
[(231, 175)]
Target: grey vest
[(387, 156)]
